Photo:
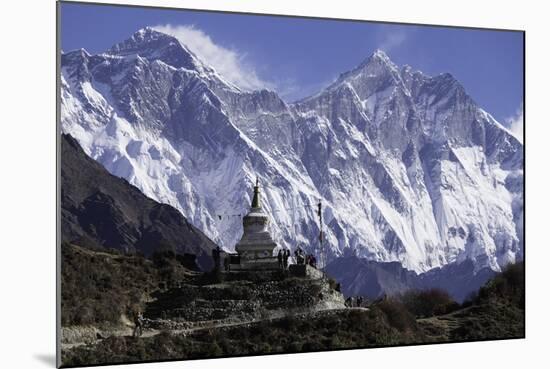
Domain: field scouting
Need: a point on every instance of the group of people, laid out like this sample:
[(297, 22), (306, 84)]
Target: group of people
[(355, 301), (282, 258), (311, 260), (302, 258)]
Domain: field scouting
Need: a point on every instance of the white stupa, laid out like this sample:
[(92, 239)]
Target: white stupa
[(256, 246)]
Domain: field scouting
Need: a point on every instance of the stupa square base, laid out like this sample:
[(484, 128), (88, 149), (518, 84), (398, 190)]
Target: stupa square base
[(257, 264)]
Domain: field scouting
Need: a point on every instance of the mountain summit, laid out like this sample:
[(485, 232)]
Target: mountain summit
[(408, 167), (153, 45)]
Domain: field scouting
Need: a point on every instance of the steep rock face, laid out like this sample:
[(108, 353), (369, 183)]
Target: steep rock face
[(428, 167), (408, 167), (101, 210)]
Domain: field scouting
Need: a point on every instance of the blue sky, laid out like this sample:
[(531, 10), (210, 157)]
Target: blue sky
[(298, 56)]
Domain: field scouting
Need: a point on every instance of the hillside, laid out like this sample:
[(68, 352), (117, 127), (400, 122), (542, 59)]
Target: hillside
[(197, 315), (99, 209), (496, 312), (300, 333), (202, 315), (105, 288)]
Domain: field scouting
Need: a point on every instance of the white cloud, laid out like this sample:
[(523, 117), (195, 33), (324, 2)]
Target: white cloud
[(230, 63), (515, 123), (391, 40)]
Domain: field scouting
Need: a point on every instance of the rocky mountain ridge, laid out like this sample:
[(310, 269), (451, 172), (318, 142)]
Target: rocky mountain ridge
[(408, 167)]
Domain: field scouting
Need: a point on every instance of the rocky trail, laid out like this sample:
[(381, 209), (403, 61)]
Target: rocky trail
[(206, 325)]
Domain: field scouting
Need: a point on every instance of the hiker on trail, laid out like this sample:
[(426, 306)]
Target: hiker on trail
[(138, 321), (280, 258), (285, 258), (216, 256), (300, 259), (359, 301), (226, 264)]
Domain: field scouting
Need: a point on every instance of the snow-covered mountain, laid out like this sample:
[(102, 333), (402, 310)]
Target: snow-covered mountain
[(408, 167)]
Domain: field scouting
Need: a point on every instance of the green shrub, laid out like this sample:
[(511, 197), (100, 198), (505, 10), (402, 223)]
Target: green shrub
[(428, 303), (397, 315)]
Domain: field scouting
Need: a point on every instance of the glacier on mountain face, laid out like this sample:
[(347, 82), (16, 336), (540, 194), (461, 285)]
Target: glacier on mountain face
[(407, 166)]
